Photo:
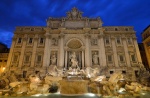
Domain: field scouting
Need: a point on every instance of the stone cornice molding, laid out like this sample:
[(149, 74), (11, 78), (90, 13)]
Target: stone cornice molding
[(48, 30)]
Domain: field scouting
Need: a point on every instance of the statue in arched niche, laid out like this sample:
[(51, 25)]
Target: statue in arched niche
[(73, 59)]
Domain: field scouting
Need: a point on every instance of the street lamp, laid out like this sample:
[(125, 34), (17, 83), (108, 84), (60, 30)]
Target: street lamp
[(3, 69)]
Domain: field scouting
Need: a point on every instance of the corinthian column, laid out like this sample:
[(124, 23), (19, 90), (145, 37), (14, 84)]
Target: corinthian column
[(102, 55), (127, 57), (46, 49), (61, 50), (83, 59), (22, 51), (87, 50), (34, 51), (114, 51)]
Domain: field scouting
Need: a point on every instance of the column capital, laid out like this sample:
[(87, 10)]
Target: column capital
[(87, 35), (112, 37), (61, 35), (47, 35), (25, 39), (36, 38), (100, 36), (123, 38), (134, 37), (86, 30)]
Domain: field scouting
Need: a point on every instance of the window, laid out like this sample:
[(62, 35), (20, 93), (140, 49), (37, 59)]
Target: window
[(5, 61), (123, 72), (41, 40), (27, 57), (116, 29), (39, 58), (19, 40), (121, 58), (32, 29), (118, 40), (30, 40), (0, 60), (107, 40), (111, 72), (133, 57), (109, 57), (126, 29)]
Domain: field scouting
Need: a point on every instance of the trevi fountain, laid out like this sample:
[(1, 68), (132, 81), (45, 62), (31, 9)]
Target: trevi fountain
[(75, 56)]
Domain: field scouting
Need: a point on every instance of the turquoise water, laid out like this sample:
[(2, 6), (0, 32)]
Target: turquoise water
[(57, 96), (142, 95)]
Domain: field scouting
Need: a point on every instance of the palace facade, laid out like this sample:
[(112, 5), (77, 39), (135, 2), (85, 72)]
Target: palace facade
[(146, 43), (35, 49)]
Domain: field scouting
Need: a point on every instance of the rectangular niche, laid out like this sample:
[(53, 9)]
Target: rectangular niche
[(53, 58), (95, 58)]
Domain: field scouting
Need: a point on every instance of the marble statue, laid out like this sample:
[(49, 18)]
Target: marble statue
[(74, 62), (95, 58), (53, 59)]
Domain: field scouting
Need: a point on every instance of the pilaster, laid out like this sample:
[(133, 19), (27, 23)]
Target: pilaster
[(87, 50), (114, 51), (61, 48), (46, 50), (137, 50), (127, 57), (34, 51), (22, 51)]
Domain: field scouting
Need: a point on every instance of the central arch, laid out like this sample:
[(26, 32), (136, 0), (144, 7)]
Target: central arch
[(74, 45)]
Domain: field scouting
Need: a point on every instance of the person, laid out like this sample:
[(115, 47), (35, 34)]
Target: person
[(95, 59), (74, 62), (53, 59)]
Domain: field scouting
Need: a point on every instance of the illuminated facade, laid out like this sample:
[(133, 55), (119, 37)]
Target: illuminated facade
[(146, 43), (35, 49)]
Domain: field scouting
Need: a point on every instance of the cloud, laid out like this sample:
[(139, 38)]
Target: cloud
[(6, 37)]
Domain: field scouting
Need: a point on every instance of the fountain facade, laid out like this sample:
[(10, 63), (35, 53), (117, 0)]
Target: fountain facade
[(72, 48)]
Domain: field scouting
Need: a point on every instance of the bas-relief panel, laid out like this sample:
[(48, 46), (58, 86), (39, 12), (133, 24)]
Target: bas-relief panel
[(54, 41), (94, 41)]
